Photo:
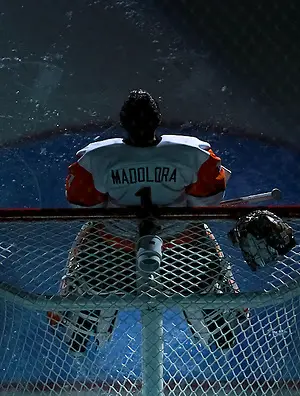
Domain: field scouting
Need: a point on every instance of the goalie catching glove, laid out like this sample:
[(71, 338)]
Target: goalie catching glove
[(262, 237)]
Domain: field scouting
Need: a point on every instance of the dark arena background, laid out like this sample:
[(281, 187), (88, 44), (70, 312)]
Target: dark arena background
[(224, 71)]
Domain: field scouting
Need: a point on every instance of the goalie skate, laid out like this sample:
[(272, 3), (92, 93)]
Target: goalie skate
[(78, 329)]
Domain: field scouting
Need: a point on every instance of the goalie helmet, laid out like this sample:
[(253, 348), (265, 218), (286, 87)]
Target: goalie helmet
[(140, 116), (263, 237)]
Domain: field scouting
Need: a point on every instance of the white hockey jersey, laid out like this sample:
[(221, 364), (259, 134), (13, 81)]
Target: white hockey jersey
[(181, 170)]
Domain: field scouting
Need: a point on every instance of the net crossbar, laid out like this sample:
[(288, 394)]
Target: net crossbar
[(80, 317)]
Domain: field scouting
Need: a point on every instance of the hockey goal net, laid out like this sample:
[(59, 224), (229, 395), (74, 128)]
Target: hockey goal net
[(197, 338)]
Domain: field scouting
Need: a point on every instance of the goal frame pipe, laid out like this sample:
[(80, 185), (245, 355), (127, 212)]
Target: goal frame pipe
[(33, 301), (148, 262), (152, 351), (198, 213)]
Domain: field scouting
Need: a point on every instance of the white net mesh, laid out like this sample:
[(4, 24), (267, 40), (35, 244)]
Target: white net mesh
[(211, 344)]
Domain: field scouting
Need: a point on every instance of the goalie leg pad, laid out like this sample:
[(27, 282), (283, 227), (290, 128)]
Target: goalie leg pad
[(97, 266), (81, 280), (210, 326)]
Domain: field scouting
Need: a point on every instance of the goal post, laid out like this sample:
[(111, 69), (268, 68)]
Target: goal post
[(179, 330)]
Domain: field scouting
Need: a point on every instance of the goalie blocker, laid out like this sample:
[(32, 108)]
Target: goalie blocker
[(100, 263)]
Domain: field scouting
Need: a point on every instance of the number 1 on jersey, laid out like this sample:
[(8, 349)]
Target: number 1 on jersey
[(146, 197)]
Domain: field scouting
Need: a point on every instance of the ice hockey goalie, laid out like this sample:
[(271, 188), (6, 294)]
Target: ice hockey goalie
[(102, 261)]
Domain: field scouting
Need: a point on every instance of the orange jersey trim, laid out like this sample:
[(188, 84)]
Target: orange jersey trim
[(80, 188), (210, 178)]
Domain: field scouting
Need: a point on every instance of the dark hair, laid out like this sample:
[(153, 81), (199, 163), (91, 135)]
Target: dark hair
[(140, 116)]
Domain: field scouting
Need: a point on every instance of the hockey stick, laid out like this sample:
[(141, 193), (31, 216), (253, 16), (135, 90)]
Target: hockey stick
[(275, 195)]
